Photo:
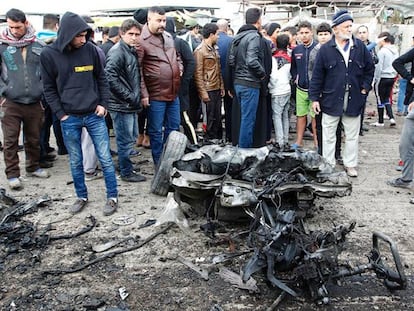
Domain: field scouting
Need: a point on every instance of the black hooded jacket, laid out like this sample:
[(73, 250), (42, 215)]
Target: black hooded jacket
[(74, 81)]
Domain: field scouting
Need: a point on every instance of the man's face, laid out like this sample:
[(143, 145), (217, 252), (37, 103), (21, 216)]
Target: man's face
[(214, 37), (156, 23), (305, 35), (17, 29), (344, 31), (362, 34), (132, 36), (324, 36), (79, 40)]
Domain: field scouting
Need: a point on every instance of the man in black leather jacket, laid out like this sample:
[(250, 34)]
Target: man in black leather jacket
[(123, 74), (246, 60)]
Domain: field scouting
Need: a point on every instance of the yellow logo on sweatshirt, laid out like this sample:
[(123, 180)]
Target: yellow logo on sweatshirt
[(84, 68)]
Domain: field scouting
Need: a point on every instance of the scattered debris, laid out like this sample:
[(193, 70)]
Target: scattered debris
[(124, 220), (80, 267), (123, 293), (237, 280), (99, 248), (202, 272)]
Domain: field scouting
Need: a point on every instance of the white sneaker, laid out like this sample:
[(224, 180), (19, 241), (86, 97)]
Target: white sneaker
[(377, 124), (352, 172), (15, 183), (40, 173), (392, 122)]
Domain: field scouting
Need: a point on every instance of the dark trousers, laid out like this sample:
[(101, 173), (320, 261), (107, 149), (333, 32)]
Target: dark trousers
[(227, 100), (31, 116), (213, 108), (50, 120)]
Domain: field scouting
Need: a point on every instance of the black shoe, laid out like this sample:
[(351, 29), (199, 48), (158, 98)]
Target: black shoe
[(134, 177), (399, 182), (78, 206), (45, 164), (361, 133), (50, 149), (48, 157), (62, 151)]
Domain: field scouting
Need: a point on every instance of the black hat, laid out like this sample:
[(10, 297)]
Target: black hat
[(271, 27), (340, 17), (141, 16), (113, 31)]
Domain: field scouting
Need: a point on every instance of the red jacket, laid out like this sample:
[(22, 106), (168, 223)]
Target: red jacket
[(161, 66)]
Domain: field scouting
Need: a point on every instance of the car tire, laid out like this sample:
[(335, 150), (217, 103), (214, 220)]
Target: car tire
[(174, 149)]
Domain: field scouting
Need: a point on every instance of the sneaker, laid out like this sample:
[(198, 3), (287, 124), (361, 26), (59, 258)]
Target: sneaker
[(15, 183), (93, 176), (392, 122), (134, 153), (399, 166), (399, 182), (295, 146), (351, 172), (110, 206), (377, 124), (40, 173), (134, 177), (78, 206)]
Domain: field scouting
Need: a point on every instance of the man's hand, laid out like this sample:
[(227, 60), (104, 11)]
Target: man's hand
[(65, 117), (206, 99), (145, 102), (316, 107), (100, 111), (230, 93), (222, 92)]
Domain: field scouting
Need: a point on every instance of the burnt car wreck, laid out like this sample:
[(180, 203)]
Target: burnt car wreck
[(274, 190)]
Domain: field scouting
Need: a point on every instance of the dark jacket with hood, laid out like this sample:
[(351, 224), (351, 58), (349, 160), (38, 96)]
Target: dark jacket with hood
[(123, 74), (74, 80), (246, 58)]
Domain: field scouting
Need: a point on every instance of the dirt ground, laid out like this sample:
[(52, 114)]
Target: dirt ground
[(156, 280)]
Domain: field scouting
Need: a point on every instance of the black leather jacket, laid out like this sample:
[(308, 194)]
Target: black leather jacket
[(123, 74), (246, 58), (20, 80)]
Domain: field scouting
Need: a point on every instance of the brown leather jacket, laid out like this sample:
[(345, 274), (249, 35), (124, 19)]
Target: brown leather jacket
[(207, 75), (161, 66)]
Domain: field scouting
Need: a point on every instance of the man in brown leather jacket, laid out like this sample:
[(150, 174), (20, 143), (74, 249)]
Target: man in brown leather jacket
[(209, 80), (161, 70)]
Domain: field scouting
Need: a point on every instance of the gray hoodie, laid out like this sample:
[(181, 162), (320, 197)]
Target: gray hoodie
[(384, 69)]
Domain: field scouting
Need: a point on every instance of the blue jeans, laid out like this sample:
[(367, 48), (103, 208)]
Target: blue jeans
[(401, 96), (96, 126), (249, 101), (162, 114), (124, 124)]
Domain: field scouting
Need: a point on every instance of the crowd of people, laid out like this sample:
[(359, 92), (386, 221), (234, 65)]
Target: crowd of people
[(147, 79)]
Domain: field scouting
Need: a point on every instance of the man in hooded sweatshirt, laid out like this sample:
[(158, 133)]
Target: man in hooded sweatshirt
[(76, 89)]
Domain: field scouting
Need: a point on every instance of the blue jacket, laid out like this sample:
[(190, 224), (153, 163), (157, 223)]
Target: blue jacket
[(331, 76), (74, 80), (300, 63)]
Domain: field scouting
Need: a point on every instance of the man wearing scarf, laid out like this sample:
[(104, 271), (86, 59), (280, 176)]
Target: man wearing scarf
[(20, 92)]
